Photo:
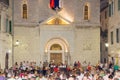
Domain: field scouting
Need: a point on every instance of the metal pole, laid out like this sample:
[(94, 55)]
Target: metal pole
[(12, 32)]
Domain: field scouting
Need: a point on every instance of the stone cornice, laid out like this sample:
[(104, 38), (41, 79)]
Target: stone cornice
[(78, 26), (83, 27), (26, 24), (86, 23), (89, 25)]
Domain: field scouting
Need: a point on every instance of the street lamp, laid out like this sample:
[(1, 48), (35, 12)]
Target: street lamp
[(106, 49)]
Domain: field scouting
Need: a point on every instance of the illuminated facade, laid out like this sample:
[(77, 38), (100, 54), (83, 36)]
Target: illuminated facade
[(68, 34)]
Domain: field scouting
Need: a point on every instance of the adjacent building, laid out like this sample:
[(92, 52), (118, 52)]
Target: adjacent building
[(114, 31), (5, 34)]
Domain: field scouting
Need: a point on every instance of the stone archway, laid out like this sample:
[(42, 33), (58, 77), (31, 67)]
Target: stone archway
[(56, 53), (57, 49)]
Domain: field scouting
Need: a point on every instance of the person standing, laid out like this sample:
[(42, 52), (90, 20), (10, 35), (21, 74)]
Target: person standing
[(2, 76)]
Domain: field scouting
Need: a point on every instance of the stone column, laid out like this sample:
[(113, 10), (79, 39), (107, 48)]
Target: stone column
[(45, 56)]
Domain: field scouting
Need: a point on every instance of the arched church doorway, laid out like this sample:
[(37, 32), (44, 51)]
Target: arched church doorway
[(57, 51)]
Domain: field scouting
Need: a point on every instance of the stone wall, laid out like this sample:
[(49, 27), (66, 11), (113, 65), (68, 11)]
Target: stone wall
[(87, 45), (114, 23), (29, 47)]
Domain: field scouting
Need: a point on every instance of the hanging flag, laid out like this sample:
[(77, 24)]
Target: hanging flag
[(52, 4), (55, 4), (60, 3)]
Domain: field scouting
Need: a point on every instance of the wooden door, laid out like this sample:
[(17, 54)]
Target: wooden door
[(6, 60), (57, 57)]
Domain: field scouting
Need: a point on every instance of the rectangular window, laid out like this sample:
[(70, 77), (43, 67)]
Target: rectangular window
[(7, 27), (112, 37), (109, 10), (118, 5), (117, 35), (101, 47)]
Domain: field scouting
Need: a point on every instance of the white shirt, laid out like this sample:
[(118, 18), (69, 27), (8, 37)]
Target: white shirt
[(80, 77), (106, 77), (11, 79), (43, 78)]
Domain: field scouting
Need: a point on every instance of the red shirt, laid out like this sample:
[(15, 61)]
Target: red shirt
[(56, 69)]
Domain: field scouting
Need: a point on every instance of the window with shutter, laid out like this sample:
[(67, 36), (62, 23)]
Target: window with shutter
[(117, 35), (109, 10), (112, 37), (119, 5), (112, 8), (10, 27)]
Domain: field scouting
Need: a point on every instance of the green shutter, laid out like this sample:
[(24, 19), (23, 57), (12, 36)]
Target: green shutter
[(109, 10), (118, 4), (10, 27), (0, 22), (117, 35), (112, 37), (112, 6)]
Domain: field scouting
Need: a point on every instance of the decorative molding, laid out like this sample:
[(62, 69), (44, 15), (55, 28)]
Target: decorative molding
[(26, 24), (86, 25), (87, 46), (3, 6)]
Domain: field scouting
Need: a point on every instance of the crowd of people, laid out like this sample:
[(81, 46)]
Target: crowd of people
[(51, 71)]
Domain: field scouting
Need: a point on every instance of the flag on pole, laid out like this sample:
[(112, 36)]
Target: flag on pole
[(55, 4)]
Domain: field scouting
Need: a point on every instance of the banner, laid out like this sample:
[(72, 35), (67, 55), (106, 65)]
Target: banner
[(55, 4)]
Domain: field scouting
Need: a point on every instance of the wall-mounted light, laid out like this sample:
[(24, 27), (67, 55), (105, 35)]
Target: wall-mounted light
[(9, 51), (106, 45), (17, 43)]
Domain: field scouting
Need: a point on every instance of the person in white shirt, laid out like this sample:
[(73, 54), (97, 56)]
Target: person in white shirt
[(40, 64), (107, 75), (18, 78), (10, 76), (43, 78), (87, 76), (79, 75)]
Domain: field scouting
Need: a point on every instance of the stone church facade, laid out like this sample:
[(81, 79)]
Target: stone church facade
[(68, 34)]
